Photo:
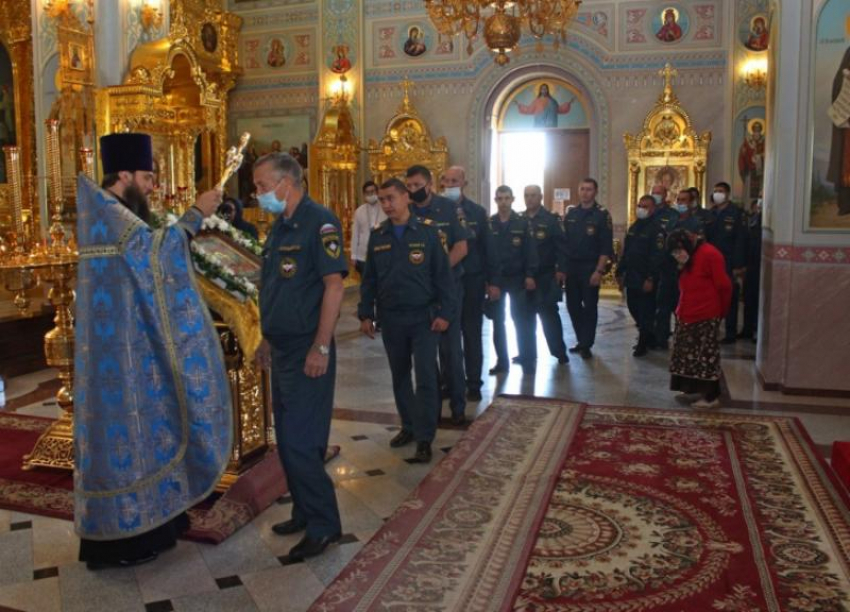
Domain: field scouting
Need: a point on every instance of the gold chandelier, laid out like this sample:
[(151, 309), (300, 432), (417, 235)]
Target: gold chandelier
[(503, 21)]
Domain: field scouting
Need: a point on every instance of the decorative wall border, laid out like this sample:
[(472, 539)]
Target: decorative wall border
[(832, 255)]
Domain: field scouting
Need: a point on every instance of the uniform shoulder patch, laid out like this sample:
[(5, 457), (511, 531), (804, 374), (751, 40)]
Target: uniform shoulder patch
[(328, 228)]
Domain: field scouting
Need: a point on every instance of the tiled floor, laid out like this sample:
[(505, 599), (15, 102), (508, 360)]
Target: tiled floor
[(38, 567)]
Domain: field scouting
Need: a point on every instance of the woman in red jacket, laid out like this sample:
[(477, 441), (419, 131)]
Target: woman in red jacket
[(705, 293)]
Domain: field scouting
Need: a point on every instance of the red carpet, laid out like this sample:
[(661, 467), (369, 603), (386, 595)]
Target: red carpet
[(50, 492), (546, 505)]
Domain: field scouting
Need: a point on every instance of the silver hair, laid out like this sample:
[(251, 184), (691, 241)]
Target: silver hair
[(284, 164)]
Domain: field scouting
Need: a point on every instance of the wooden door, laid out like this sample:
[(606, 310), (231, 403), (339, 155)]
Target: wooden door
[(567, 163)]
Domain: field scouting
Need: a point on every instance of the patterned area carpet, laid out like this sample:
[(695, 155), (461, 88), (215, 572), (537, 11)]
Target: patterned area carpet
[(50, 492), (546, 505)]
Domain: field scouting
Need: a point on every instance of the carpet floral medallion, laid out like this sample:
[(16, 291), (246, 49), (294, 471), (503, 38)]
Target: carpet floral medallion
[(547, 505)]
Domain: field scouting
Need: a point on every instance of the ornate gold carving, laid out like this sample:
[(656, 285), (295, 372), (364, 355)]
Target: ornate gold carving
[(668, 143), (251, 394), (16, 37), (407, 141), (334, 159), (177, 92)]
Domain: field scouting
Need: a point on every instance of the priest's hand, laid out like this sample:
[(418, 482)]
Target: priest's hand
[(263, 356), (209, 201)]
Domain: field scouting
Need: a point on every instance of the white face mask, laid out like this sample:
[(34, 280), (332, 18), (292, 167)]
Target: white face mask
[(642, 213), (681, 257), (718, 197), (452, 193), (372, 199), (682, 208), (657, 198)]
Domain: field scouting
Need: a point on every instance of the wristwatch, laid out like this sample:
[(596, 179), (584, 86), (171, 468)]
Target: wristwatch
[(323, 349)]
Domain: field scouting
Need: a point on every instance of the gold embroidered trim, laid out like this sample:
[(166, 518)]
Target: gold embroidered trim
[(159, 294)]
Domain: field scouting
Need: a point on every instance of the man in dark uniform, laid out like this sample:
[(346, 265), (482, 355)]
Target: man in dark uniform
[(450, 223), (517, 267), (300, 298), (667, 283), (728, 234), (552, 262), (753, 273), (408, 281), (705, 216), (690, 218), (590, 245), (639, 268), (477, 277)]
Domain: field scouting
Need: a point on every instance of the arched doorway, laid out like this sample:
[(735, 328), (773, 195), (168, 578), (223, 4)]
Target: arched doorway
[(541, 134)]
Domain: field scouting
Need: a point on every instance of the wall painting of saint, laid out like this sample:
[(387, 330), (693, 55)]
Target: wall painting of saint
[(830, 196)]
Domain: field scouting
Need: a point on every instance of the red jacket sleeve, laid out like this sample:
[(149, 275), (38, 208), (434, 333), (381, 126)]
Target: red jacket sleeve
[(721, 281)]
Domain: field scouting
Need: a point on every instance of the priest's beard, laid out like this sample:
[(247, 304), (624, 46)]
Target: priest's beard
[(137, 202)]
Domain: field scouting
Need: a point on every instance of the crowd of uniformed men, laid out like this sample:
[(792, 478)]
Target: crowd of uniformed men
[(433, 265)]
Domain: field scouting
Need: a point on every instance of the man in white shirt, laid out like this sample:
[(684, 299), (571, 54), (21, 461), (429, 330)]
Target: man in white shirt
[(368, 215)]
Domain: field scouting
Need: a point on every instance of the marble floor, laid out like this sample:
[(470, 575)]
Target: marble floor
[(38, 566)]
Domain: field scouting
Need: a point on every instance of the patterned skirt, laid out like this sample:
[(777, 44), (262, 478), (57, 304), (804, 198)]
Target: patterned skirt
[(695, 362)]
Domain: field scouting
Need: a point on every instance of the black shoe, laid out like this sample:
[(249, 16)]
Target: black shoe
[(515, 359), (402, 438), (661, 346), (745, 335), (728, 340), (145, 557), (457, 419), (563, 359), (423, 453), (585, 353), (473, 395), (575, 349), (309, 547), (640, 351), (498, 369), (289, 527)]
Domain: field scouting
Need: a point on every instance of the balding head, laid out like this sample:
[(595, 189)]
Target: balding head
[(533, 195), (453, 182)]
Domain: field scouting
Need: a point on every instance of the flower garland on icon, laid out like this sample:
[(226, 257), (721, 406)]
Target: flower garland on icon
[(211, 265)]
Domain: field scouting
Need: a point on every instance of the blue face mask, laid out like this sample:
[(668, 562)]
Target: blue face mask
[(657, 198), (268, 201)]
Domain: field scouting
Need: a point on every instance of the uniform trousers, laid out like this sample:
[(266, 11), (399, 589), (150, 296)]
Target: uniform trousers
[(666, 299), (642, 307), (544, 302), (521, 317), (732, 315), (583, 302), (751, 300), (472, 320), (451, 361), (302, 409), (411, 345)]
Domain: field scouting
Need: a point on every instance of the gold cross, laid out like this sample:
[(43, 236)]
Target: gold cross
[(406, 83), (668, 73)]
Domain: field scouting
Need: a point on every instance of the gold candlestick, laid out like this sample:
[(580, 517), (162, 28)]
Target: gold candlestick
[(54, 176), (13, 170), (87, 162)]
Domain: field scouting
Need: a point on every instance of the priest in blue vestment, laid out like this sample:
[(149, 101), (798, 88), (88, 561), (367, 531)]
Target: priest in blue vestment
[(152, 421)]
